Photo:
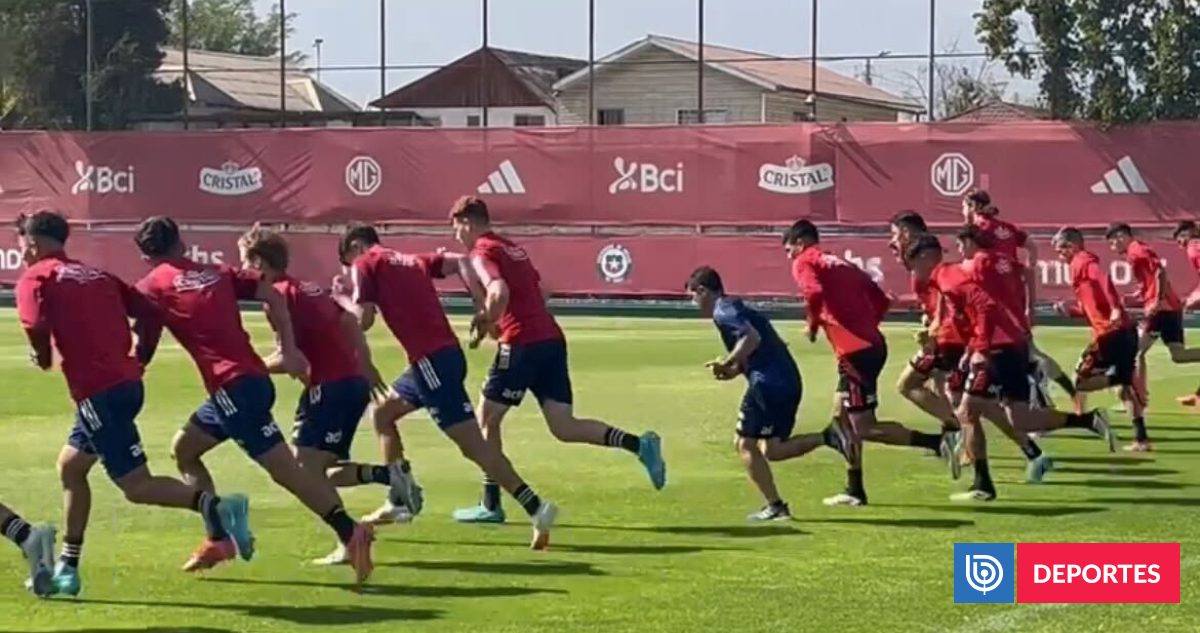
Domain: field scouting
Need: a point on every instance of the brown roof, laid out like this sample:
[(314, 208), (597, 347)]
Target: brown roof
[(515, 78), (226, 80), (1000, 112)]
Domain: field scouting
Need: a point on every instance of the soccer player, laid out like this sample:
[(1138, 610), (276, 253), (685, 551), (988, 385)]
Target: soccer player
[(199, 305), (37, 546), (843, 300), (400, 288), (1111, 357), (768, 411), (82, 312), (1187, 235), (532, 354)]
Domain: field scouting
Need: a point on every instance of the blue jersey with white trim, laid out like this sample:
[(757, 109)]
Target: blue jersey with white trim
[(771, 361)]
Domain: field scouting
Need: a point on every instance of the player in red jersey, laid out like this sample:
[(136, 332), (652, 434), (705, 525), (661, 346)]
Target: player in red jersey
[(36, 543), (532, 354), (843, 300), (1111, 357), (1187, 235), (199, 305), (83, 312)]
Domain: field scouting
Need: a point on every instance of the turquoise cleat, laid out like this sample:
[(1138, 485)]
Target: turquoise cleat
[(650, 454), (66, 580), (1036, 469), (479, 514), (235, 518)]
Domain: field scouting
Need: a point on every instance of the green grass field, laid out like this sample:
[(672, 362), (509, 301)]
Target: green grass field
[(625, 558)]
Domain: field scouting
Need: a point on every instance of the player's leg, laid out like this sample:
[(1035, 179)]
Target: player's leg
[(75, 462), (767, 414), (1147, 335), (202, 433), (1118, 352), (913, 385), (1169, 326), (982, 488), (862, 370), (1052, 369), (37, 546), (851, 400), (489, 418)]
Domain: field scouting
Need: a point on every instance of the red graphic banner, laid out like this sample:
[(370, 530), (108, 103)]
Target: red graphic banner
[(1098, 573)]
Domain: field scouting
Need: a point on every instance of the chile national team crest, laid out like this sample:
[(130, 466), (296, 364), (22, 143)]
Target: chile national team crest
[(614, 263)]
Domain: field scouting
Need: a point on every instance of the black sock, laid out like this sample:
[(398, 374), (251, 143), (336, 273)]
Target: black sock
[(72, 551), (1139, 430), (854, 483), (617, 438), (368, 474), (491, 494), (1032, 450), (16, 529), (925, 440), (528, 499), (206, 505), (1080, 421), (779, 505), (341, 523), (405, 466), (1066, 384), (983, 477)]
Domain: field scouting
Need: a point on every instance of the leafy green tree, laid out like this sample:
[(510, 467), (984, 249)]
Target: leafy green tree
[(231, 26)]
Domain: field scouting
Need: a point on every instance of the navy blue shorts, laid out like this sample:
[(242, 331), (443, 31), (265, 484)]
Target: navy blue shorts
[(540, 368), (105, 426), (435, 383), (328, 414), (241, 410), (769, 410)]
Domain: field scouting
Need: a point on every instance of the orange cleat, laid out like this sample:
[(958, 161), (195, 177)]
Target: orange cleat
[(359, 549), (1139, 447), (1189, 401), (210, 554)]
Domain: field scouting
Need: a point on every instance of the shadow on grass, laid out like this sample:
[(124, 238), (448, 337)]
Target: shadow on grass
[(1179, 429), (1013, 510), (153, 629), (399, 590), (577, 548), (545, 568), (1109, 460), (926, 524), (724, 531), (1183, 502), (322, 615), (1144, 484), (1118, 472)]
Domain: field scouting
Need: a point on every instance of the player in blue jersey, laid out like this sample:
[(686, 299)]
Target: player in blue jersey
[(774, 388)]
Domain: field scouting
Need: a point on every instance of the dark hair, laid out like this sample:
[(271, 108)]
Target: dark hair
[(705, 277), (470, 208), (1070, 235), (979, 199), (910, 220), (156, 236), (923, 244), (44, 224), (266, 245), (1117, 230), (1187, 227), (802, 231), (971, 233)]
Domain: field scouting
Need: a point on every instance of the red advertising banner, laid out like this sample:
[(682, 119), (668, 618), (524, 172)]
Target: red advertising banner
[(1040, 173)]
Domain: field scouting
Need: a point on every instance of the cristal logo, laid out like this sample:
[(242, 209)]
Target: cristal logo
[(102, 180), (795, 177), (646, 178), (984, 573), (231, 180)]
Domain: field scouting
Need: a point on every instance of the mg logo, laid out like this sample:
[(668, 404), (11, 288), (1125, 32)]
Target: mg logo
[(363, 176), (952, 174)]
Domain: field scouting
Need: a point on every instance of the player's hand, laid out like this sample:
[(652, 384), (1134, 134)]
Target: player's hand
[(1114, 317), (812, 336), (340, 285), (294, 364), (481, 328), (723, 369), (380, 390), (38, 361), (922, 337)]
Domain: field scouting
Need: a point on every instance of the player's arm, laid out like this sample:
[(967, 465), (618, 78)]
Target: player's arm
[(352, 329), (1031, 251), (495, 299), (455, 265), (249, 286), (360, 300), (147, 322), (814, 298), (1030, 290), (1160, 275), (31, 309)]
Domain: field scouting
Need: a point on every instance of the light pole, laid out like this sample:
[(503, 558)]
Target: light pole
[(869, 79), (317, 45), (812, 90)]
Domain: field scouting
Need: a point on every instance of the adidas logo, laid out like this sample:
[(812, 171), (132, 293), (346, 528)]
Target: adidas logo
[(504, 180), (1124, 179)]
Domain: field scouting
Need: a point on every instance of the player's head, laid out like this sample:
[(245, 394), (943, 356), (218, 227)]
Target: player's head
[(41, 234), (356, 240), (906, 226), (1119, 236), (923, 255), (158, 238), (800, 235), (470, 219), (1185, 232), (969, 241), (977, 202), (1067, 242), (705, 287), (264, 250)]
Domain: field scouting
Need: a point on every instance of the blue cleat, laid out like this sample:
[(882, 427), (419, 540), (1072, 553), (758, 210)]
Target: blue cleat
[(235, 518), (650, 454), (479, 514), (1036, 469), (66, 580)]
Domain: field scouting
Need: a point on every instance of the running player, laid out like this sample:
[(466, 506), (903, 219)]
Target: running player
[(199, 305), (768, 411), (82, 312), (1187, 235), (843, 300), (532, 355), (400, 287), (1111, 357), (36, 543)]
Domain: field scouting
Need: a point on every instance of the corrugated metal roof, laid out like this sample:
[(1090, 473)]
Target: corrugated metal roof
[(243, 81)]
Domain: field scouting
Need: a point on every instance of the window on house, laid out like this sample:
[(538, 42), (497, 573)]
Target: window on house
[(610, 116), (692, 117), (529, 120), (473, 120)]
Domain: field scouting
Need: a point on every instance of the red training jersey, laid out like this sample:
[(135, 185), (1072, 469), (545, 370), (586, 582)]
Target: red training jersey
[(939, 311), (842, 299), (1193, 254), (1003, 279), (1000, 236), (1146, 267), (84, 310), (1096, 294), (526, 319), (984, 324), (199, 305), (317, 325), (401, 286)]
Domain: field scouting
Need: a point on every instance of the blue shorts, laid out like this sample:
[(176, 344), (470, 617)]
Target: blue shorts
[(105, 426), (435, 383), (540, 368), (769, 410), (328, 415), (241, 410)]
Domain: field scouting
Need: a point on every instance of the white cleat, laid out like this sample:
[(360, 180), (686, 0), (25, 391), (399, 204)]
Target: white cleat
[(388, 514), (973, 496), (39, 553), (542, 522), (338, 556), (404, 490), (1103, 428), (843, 499), (949, 448)]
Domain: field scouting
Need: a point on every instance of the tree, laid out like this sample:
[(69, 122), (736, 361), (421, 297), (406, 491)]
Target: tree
[(231, 26), (957, 87)]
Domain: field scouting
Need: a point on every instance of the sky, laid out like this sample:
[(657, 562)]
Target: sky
[(438, 31)]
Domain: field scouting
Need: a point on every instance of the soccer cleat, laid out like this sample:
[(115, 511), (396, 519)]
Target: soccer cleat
[(39, 553), (1189, 401), (479, 514), (404, 490), (1103, 428), (1036, 469), (359, 549), (235, 518), (210, 554), (66, 580), (339, 556), (1139, 447), (389, 513), (949, 452), (650, 454), (836, 439), (844, 499), (973, 496), (542, 522), (771, 512)]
